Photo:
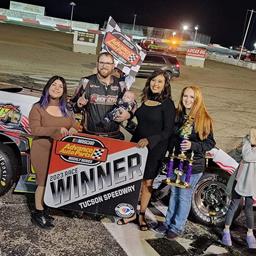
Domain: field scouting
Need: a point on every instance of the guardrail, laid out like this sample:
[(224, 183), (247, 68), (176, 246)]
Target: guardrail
[(232, 61)]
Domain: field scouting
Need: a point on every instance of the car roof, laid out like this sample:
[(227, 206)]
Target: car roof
[(160, 54)]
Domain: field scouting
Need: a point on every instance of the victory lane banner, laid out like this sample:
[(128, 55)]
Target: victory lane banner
[(95, 174)]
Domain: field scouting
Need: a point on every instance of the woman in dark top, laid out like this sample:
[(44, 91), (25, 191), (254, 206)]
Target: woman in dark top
[(155, 125)]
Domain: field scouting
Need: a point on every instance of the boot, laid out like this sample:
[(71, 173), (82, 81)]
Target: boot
[(38, 218), (47, 215)]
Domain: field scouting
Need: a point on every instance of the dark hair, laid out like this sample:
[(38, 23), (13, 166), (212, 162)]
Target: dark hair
[(166, 93), (105, 54), (45, 98)]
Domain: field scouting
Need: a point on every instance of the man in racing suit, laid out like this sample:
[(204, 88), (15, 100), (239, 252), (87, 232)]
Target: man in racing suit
[(96, 95)]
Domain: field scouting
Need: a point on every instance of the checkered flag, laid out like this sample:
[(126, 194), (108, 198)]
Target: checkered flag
[(97, 154), (133, 57), (127, 54)]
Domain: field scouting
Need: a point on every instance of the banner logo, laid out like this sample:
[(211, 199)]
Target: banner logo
[(121, 48), (124, 210), (87, 151)]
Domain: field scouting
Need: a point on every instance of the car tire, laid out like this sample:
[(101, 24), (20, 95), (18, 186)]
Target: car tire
[(8, 165), (210, 202)]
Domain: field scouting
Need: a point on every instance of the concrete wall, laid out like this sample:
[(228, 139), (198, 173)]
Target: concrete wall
[(232, 61)]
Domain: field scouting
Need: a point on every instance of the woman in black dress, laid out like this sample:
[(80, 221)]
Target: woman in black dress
[(155, 119)]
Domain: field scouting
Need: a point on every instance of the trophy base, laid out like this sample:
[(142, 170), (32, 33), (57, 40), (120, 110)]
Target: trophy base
[(180, 184)]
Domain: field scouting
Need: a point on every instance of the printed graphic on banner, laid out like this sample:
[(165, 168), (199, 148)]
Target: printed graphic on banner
[(83, 151), (120, 47), (128, 55), (94, 174)]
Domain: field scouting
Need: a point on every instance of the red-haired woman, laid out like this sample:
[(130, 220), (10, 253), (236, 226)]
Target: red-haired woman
[(194, 133)]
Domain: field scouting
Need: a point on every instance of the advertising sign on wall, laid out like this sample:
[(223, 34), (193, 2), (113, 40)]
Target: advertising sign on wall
[(86, 37), (30, 8), (195, 57), (196, 52)]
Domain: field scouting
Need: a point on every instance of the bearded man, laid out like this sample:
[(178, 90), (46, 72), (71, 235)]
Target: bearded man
[(95, 97)]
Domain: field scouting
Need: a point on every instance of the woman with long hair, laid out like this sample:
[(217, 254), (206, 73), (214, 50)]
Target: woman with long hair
[(49, 119), (155, 119), (193, 133)]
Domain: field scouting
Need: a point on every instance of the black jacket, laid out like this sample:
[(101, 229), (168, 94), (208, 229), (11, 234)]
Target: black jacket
[(198, 146)]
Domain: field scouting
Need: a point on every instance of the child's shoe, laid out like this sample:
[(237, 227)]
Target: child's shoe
[(251, 241), (226, 239)]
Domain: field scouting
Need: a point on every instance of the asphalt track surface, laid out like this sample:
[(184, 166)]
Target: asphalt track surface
[(29, 57)]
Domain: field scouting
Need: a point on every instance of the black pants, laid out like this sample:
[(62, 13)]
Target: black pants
[(236, 198)]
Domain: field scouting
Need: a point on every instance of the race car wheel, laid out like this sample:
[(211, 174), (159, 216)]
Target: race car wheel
[(8, 165), (210, 202)]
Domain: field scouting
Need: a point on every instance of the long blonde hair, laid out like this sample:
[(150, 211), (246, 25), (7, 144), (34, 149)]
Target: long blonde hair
[(198, 113)]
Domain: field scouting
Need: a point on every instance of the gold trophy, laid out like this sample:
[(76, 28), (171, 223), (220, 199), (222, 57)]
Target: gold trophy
[(178, 176)]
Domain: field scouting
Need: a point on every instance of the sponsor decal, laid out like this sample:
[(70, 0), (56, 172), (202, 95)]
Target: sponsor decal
[(103, 99), (124, 210), (94, 86), (12, 118), (114, 87), (10, 114)]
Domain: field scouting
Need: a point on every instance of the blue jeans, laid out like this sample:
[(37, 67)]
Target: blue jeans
[(179, 206)]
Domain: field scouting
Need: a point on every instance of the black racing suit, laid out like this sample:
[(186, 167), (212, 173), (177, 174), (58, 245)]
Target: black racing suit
[(101, 99)]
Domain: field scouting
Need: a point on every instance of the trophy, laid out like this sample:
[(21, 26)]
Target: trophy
[(180, 176)]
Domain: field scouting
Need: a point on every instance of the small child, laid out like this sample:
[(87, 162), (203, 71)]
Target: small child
[(244, 187), (127, 102)]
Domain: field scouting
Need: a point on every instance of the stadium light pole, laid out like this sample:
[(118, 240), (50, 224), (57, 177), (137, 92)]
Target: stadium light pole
[(184, 28), (196, 29), (134, 20), (72, 4), (245, 35)]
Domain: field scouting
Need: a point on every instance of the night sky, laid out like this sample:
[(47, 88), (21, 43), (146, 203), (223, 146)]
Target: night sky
[(224, 20)]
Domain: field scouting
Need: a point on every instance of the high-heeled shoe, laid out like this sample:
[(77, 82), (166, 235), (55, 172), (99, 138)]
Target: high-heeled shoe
[(38, 218), (143, 226)]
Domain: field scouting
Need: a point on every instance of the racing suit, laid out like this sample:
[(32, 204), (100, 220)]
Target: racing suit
[(101, 100)]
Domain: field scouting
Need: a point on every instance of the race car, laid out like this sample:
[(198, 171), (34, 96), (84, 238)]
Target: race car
[(209, 204)]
